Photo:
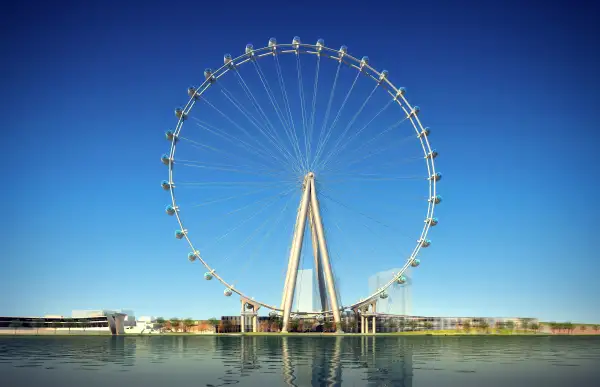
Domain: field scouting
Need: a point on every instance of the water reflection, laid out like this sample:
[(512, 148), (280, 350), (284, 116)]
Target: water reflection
[(300, 361)]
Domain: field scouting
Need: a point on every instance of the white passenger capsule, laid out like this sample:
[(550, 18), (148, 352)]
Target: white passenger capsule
[(273, 43), (166, 160), (273, 314), (383, 76), (249, 49), (432, 221), (180, 114), (415, 111), (228, 60), (432, 155), (170, 210), (192, 92), (424, 133), (208, 75), (320, 45), (425, 242), (208, 276), (437, 199), (383, 295), (296, 42), (227, 292), (364, 61), (436, 176), (343, 51)]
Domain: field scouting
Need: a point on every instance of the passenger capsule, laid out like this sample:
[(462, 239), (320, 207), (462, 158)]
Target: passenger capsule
[(401, 280), (228, 60), (166, 160), (432, 221), (170, 210), (343, 50), (296, 42), (166, 185), (249, 306), (273, 314), (425, 132), (249, 49), (415, 262), (180, 233), (436, 176), (272, 42), (383, 295), (227, 292), (364, 61), (180, 114), (425, 243), (169, 135), (192, 92), (320, 318), (208, 276), (432, 155), (208, 75), (416, 110), (383, 76), (192, 257), (320, 44), (437, 199), (401, 92)]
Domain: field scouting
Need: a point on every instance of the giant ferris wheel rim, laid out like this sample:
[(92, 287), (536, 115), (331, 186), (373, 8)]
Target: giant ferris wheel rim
[(341, 55)]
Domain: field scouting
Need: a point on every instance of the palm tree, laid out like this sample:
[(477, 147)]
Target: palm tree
[(596, 327), (583, 328), (174, 321)]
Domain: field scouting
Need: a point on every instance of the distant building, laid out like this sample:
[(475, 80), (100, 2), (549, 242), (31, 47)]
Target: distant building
[(399, 300), (304, 300)]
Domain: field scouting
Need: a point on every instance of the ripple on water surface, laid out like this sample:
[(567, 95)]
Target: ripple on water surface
[(301, 361)]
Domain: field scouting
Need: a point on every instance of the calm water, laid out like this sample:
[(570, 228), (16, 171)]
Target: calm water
[(300, 361)]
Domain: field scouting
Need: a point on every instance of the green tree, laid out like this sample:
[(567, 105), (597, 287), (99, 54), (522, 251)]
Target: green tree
[(393, 325), (160, 321), (226, 326), (596, 327), (412, 324), (525, 324), (466, 326), (16, 324), (427, 325), (188, 323), (535, 327), (39, 323), (500, 325), (213, 322), (583, 328), (354, 325), (401, 325), (174, 321), (510, 325), (484, 326), (327, 326)]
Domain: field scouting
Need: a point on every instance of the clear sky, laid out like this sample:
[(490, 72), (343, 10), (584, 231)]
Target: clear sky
[(509, 90)]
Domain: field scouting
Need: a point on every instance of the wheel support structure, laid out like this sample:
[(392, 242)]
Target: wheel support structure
[(309, 208)]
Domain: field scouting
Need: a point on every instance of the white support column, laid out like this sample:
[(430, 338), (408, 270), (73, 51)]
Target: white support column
[(374, 324), (318, 264), (324, 255), (295, 253), (255, 323)]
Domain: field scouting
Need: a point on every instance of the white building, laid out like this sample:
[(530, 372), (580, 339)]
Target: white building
[(304, 296)]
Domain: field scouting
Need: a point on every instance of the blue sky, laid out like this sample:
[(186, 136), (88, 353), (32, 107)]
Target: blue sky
[(509, 91)]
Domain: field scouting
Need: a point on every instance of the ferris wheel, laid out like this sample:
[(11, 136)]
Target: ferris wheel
[(293, 123)]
